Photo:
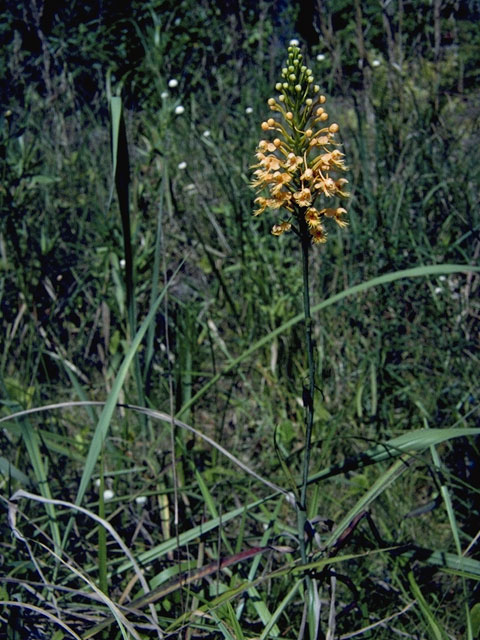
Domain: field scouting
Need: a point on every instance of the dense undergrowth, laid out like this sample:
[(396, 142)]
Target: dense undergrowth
[(393, 504)]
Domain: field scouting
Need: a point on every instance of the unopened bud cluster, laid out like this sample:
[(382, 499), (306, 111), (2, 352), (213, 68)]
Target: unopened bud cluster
[(302, 164)]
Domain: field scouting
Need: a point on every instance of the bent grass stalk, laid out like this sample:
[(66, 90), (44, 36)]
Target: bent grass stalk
[(297, 170)]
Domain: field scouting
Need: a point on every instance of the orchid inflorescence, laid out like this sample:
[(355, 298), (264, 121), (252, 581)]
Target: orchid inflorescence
[(301, 165)]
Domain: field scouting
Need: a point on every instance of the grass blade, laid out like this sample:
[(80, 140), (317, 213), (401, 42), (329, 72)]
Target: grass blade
[(112, 400), (416, 272)]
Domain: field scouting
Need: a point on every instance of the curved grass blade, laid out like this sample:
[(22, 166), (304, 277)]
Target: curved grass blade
[(112, 400), (416, 272), (156, 415), (378, 487), (42, 612), (412, 442)]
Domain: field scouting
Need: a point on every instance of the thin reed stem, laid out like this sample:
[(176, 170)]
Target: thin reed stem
[(309, 388), (308, 402)]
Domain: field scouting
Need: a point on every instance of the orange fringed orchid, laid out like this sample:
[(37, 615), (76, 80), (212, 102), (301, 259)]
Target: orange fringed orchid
[(301, 165)]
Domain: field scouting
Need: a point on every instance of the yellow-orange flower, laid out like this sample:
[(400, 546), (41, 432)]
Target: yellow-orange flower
[(280, 179), (278, 229), (300, 166), (319, 235), (271, 163), (336, 214), (312, 216), (303, 197)]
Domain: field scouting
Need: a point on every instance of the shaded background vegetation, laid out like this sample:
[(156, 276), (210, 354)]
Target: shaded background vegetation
[(402, 81)]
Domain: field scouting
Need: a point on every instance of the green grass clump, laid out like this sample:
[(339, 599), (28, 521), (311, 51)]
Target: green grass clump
[(152, 369)]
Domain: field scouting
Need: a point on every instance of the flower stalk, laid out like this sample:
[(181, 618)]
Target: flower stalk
[(308, 390), (299, 173)]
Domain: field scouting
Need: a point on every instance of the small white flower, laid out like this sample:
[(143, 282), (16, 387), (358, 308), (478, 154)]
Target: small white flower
[(179, 110), (122, 263), (108, 494), (249, 110), (376, 63), (290, 498), (294, 42), (206, 133), (438, 290), (442, 278), (182, 165), (173, 83), (97, 482), (164, 95), (141, 500), (321, 57)]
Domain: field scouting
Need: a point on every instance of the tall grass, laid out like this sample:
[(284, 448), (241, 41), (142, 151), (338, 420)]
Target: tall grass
[(200, 537)]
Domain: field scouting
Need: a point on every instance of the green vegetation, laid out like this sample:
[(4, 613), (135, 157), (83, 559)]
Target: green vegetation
[(152, 369)]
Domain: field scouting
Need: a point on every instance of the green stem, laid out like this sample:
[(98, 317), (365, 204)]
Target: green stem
[(309, 389), (308, 395)]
